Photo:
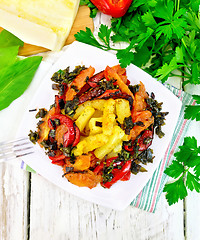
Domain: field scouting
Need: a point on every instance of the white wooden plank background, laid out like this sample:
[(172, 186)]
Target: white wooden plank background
[(33, 208), (14, 204), (56, 214)]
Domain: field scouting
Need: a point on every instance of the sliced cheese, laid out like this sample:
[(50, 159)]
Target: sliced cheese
[(45, 23)]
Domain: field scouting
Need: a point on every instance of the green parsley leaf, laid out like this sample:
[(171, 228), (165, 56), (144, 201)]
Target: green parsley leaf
[(190, 142), (193, 112), (164, 71), (193, 182), (88, 38), (175, 169), (104, 34), (185, 170), (197, 170), (125, 57), (175, 191), (149, 20)]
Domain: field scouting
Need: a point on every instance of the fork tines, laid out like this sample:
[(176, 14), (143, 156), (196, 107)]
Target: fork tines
[(15, 149)]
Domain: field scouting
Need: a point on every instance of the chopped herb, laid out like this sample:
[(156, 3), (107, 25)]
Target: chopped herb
[(135, 168), (33, 136), (134, 88), (71, 106), (98, 124), (128, 124), (39, 123), (52, 133), (65, 76), (57, 121), (146, 156), (159, 117), (105, 85), (107, 173), (124, 155), (75, 88), (66, 151), (41, 113), (33, 110)]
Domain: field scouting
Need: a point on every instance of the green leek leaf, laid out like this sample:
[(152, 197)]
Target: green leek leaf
[(7, 39), (8, 56), (15, 79)]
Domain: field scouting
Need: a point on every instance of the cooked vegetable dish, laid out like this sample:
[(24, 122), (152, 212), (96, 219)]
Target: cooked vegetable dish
[(99, 128)]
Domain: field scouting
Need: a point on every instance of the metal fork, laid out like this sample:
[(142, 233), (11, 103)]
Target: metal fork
[(14, 149)]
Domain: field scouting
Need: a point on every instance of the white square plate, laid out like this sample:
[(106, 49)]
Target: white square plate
[(120, 195)]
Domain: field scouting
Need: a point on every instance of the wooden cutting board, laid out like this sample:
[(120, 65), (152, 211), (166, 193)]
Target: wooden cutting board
[(82, 21)]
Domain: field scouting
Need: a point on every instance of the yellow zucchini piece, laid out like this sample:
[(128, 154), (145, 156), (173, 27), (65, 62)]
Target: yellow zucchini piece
[(113, 141), (84, 117), (122, 109)]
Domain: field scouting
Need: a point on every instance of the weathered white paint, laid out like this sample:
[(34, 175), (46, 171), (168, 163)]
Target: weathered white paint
[(56, 214), (192, 216), (13, 202)]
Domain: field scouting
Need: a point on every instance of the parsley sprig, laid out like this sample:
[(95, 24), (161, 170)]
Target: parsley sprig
[(185, 170), (162, 36), (193, 112)]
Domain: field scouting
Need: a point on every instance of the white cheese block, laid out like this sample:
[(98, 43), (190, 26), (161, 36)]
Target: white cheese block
[(45, 23)]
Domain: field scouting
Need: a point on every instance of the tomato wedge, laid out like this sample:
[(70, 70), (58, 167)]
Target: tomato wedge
[(69, 135)]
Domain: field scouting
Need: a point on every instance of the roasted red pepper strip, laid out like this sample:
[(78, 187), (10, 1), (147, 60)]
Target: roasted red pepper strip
[(57, 158), (94, 92), (146, 134), (128, 148), (95, 79), (60, 163), (125, 169), (69, 136), (77, 136), (142, 145), (111, 93), (98, 168), (126, 177), (115, 8), (85, 88), (101, 165)]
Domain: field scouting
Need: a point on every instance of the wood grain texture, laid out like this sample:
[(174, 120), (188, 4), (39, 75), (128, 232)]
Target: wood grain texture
[(55, 214), (82, 21), (192, 216), (13, 202)]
